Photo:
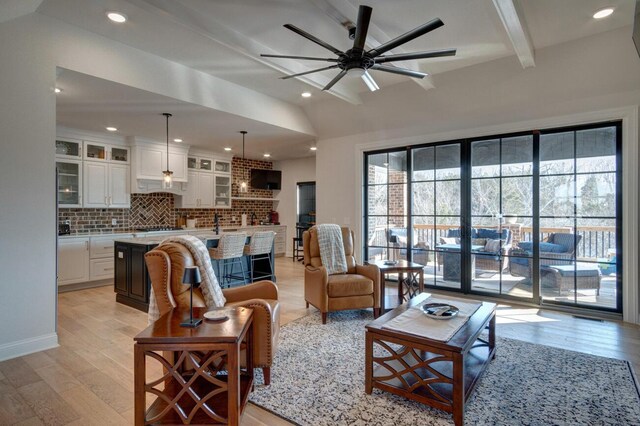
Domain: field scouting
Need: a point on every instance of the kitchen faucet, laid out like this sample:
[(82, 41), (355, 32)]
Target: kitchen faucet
[(216, 222)]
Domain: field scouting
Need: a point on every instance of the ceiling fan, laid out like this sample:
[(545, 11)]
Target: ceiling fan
[(358, 61)]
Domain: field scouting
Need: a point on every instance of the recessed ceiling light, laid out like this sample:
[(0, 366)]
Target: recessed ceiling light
[(57, 90), (603, 13), (306, 94), (117, 17), (177, 140), (266, 155), (226, 148), (112, 129), (314, 148)]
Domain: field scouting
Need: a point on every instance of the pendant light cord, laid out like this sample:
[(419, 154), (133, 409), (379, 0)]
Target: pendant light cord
[(166, 114)]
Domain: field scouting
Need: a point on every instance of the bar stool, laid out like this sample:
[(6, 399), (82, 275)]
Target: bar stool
[(229, 253), (259, 248), (297, 248)]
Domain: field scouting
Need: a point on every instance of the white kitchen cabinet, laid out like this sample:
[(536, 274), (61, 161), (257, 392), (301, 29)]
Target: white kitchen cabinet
[(203, 164), (119, 181), (190, 191), (178, 165), (106, 185), (98, 151), (101, 250), (73, 260), (198, 191), (69, 182), (222, 191), (96, 184), (69, 148), (222, 166), (150, 161)]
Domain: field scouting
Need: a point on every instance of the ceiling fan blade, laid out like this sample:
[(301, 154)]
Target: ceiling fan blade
[(307, 58), (370, 82), (406, 37), (416, 55), (308, 72), (401, 71), (362, 26), (312, 38), (335, 80)]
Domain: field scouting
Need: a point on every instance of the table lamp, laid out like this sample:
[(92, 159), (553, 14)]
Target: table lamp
[(192, 277)]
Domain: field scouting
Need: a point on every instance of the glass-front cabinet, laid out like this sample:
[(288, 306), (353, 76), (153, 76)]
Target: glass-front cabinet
[(69, 183), (68, 148), (96, 151), (222, 191), (223, 166), (203, 164)]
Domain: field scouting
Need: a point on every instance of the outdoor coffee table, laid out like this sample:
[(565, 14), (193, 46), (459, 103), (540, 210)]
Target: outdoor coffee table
[(439, 374)]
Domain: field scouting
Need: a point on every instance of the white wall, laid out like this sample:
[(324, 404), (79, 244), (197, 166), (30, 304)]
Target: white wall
[(571, 82), (293, 171), (27, 194)]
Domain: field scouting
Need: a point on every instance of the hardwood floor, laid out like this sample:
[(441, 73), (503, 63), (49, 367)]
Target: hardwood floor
[(89, 379)]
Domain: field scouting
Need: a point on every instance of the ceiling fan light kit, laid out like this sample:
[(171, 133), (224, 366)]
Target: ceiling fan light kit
[(357, 60)]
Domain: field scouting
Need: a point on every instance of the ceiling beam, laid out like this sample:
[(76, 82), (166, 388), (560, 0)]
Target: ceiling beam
[(220, 33), (375, 34), (516, 27)]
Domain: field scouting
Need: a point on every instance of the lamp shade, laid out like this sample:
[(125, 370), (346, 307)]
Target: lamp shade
[(192, 276)]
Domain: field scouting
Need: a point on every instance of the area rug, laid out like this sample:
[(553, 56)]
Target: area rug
[(318, 379)]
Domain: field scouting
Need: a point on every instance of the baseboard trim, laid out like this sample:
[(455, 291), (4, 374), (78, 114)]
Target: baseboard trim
[(28, 346)]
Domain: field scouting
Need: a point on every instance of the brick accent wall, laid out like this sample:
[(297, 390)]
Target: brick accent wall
[(159, 209)]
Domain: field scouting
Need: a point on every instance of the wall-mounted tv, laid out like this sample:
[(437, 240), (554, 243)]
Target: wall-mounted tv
[(265, 179)]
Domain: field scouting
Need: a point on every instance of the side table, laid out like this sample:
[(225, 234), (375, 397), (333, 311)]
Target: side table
[(193, 388), (408, 287)]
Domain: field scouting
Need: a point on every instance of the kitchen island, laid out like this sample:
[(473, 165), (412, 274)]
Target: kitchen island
[(132, 283)]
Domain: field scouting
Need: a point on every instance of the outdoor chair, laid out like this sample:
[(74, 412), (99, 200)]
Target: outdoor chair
[(557, 249)]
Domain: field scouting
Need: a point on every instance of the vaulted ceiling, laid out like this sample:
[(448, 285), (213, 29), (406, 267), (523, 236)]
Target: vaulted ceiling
[(226, 37)]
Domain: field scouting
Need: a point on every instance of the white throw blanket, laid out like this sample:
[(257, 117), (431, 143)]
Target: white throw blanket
[(211, 291), (332, 248)]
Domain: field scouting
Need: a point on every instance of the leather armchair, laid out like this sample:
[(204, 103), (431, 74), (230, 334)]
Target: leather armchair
[(166, 265), (359, 288)]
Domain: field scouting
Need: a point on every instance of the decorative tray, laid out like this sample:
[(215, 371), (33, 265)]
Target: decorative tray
[(440, 311)]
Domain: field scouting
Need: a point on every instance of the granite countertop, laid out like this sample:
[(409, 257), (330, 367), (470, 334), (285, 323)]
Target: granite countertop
[(152, 234), (157, 239)]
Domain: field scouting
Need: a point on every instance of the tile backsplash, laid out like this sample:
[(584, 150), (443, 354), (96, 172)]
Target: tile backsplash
[(158, 209)]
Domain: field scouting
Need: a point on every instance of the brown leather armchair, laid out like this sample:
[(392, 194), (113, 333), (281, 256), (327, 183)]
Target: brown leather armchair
[(359, 288), (166, 265)]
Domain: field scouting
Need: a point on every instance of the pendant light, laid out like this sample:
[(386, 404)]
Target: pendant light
[(167, 180), (244, 187)]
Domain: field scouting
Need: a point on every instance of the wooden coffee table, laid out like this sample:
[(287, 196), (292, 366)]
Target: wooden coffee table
[(192, 389), (408, 287), (439, 374)]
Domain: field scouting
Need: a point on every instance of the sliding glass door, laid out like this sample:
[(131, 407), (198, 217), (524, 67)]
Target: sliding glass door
[(501, 205), (534, 216), (436, 195), (580, 216)]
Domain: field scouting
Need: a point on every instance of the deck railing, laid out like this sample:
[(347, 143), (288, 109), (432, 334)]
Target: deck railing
[(597, 242)]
